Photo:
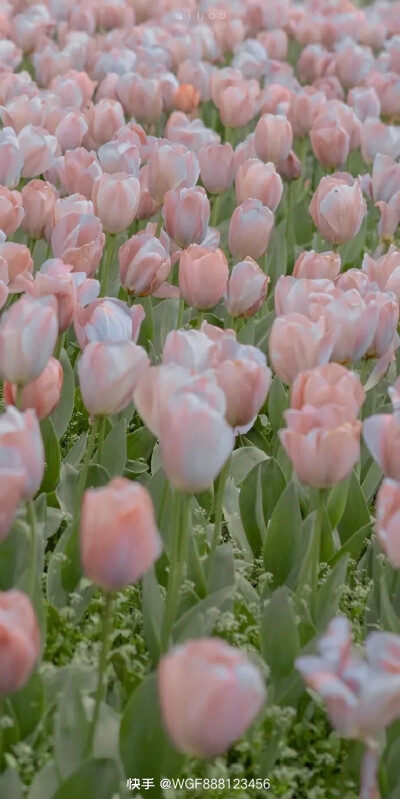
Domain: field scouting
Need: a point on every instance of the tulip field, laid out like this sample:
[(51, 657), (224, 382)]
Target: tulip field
[(199, 399)]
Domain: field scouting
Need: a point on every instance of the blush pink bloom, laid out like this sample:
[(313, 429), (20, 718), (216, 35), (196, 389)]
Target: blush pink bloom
[(203, 276), (259, 181), (141, 97), (11, 158), (12, 481), (108, 373), (246, 290), (385, 181), (108, 319), (78, 170), (355, 320), (190, 424), (144, 264), (217, 167), (297, 295), (365, 102), (39, 150), (382, 437), (155, 387), (20, 641), (115, 200), (322, 443), (21, 444), (186, 214), (103, 119), (238, 103), (38, 200), (290, 168), (228, 685), (43, 394), (192, 349), (338, 209), (78, 239), (250, 229), (68, 128), (332, 384), (273, 138), (386, 327), (120, 156), (11, 210), (242, 373), (171, 167), (304, 109), (384, 271), (119, 539), (330, 144), (317, 265), (388, 520), (19, 264), (28, 334), (390, 217), (297, 344), (377, 137), (54, 278)]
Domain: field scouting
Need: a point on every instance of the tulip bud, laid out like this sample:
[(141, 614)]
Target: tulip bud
[(186, 214), (246, 290), (250, 229), (38, 199), (171, 167), (11, 210), (78, 171), (144, 264), (108, 373), (382, 436), (330, 144), (19, 640), (217, 167), (222, 678), (108, 319), (317, 265), (338, 209), (119, 539), (39, 150), (242, 373), (21, 439), (259, 181), (273, 138), (387, 520), (115, 199), (296, 344), (28, 334), (78, 239), (43, 394), (203, 275)]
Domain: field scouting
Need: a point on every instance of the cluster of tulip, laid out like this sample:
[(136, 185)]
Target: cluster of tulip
[(172, 225)]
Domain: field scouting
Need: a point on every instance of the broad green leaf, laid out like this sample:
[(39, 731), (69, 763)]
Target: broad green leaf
[(28, 705), (113, 456), (70, 730), (328, 594), (223, 572), (388, 617), (153, 612), (14, 554), (356, 513), (282, 543), (10, 785), (243, 461), (139, 444), (60, 418), (52, 456), (337, 502), (259, 495), (77, 452), (45, 783), (200, 620), (66, 489), (279, 636), (96, 778), (354, 545), (145, 748), (165, 317), (277, 404)]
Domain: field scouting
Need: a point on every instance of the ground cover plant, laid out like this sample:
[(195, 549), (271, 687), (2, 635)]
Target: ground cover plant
[(200, 399)]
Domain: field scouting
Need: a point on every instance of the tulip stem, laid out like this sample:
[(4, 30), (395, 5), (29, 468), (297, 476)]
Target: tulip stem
[(105, 647), (214, 212), (88, 455), (2, 713), (18, 398), (176, 565), (200, 319), (106, 265), (159, 226), (100, 440), (219, 504), (181, 311), (318, 541), (31, 516), (59, 345), (369, 768)]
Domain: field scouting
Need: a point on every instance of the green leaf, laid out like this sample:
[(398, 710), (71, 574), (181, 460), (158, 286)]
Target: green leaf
[(243, 461), (282, 542), (201, 619), (52, 457), (351, 251), (28, 705), (144, 745), (113, 456), (77, 452), (356, 513), (279, 636), (61, 417), (354, 545), (10, 784), (389, 618), (258, 496), (337, 502), (153, 612), (165, 316), (371, 482), (277, 253), (14, 554), (305, 566), (329, 593), (277, 403), (66, 489), (223, 572), (70, 730), (96, 778), (140, 444), (45, 783)]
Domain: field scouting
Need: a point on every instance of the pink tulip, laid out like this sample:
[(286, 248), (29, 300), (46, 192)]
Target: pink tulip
[(328, 384), (386, 327), (338, 209), (171, 167), (115, 199), (290, 168), (28, 334), (155, 387), (322, 443), (217, 167), (191, 133), (11, 159), (78, 239), (273, 138), (43, 394), (377, 137), (22, 446), (317, 265), (298, 295), (297, 344), (250, 229), (54, 278), (140, 97), (227, 685), (384, 271), (238, 103), (108, 319), (385, 178), (242, 373), (11, 210), (330, 144), (304, 109), (78, 170), (38, 200), (246, 290), (388, 520), (189, 423), (119, 539), (19, 264), (108, 374), (103, 119), (120, 156), (259, 181), (20, 640), (144, 264), (68, 128), (186, 214), (203, 276), (191, 349), (382, 437), (365, 102), (356, 320), (12, 481), (390, 217), (39, 150)]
